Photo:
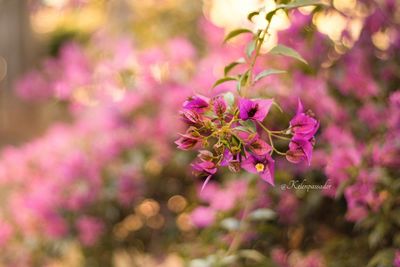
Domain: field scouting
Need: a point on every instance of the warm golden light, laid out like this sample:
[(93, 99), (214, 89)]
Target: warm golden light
[(153, 167), (148, 208), (86, 19), (156, 222), (381, 40), (177, 203), (184, 223), (132, 222)]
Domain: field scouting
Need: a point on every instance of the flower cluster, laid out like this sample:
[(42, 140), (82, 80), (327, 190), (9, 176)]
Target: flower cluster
[(229, 132)]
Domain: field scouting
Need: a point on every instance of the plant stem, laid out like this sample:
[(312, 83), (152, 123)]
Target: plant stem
[(280, 137), (260, 41), (238, 238)]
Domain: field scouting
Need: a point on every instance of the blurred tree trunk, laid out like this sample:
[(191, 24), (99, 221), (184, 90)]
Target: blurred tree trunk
[(15, 39), (17, 52)]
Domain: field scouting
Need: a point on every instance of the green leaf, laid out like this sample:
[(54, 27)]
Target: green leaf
[(200, 263), (300, 3), (230, 224), (252, 14), (231, 65), (383, 258), (229, 260), (277, 106), (250, 48), (378, 234), (268, 72), (223, 80), (252, 255), (235, 33), (288, 52), (242, 81), (210, 114), (262, 215), (229, 98), (249, 125), (270, 14)]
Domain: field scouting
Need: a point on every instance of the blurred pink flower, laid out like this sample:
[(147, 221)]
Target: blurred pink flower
[(6, 233), (396, 261), (287, 207), (203, 216), (89, 230)]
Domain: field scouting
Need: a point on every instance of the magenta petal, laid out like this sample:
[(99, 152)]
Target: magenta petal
[(264, 106), (268, 177), (299, 149), (245, 106), (303, 124), (268, 174), (300, 108), (254, 109), (249, 165), (196, 103), (205, 183), (227, 157), (260, 147)]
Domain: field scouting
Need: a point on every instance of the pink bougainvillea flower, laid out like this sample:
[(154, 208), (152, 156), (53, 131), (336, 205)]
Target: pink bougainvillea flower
[(303, 125), (219, 105), (191, 117), (259, 147), (187, 141), (299, 150), (196, 103), (396, 261), (253, 143), (90, 230), (6, 232), (262, 165), (206, 169), (231, 160), (254, 109), (203, 216)]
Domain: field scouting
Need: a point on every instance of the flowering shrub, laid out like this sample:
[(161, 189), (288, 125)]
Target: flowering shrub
[(233, 126)]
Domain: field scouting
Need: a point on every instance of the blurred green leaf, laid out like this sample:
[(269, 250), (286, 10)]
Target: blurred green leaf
[(270, 14), (231, 65), (383, 258), (235, 33), (249, 125), (300, 3), (378, 234), (250, 48), (230, 224), (242, 81), (288, 52), (229, 98), (228, 260), (262, 215), (252, 254), (266, 73), (223, 80), (252, 14), (199, 263)]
